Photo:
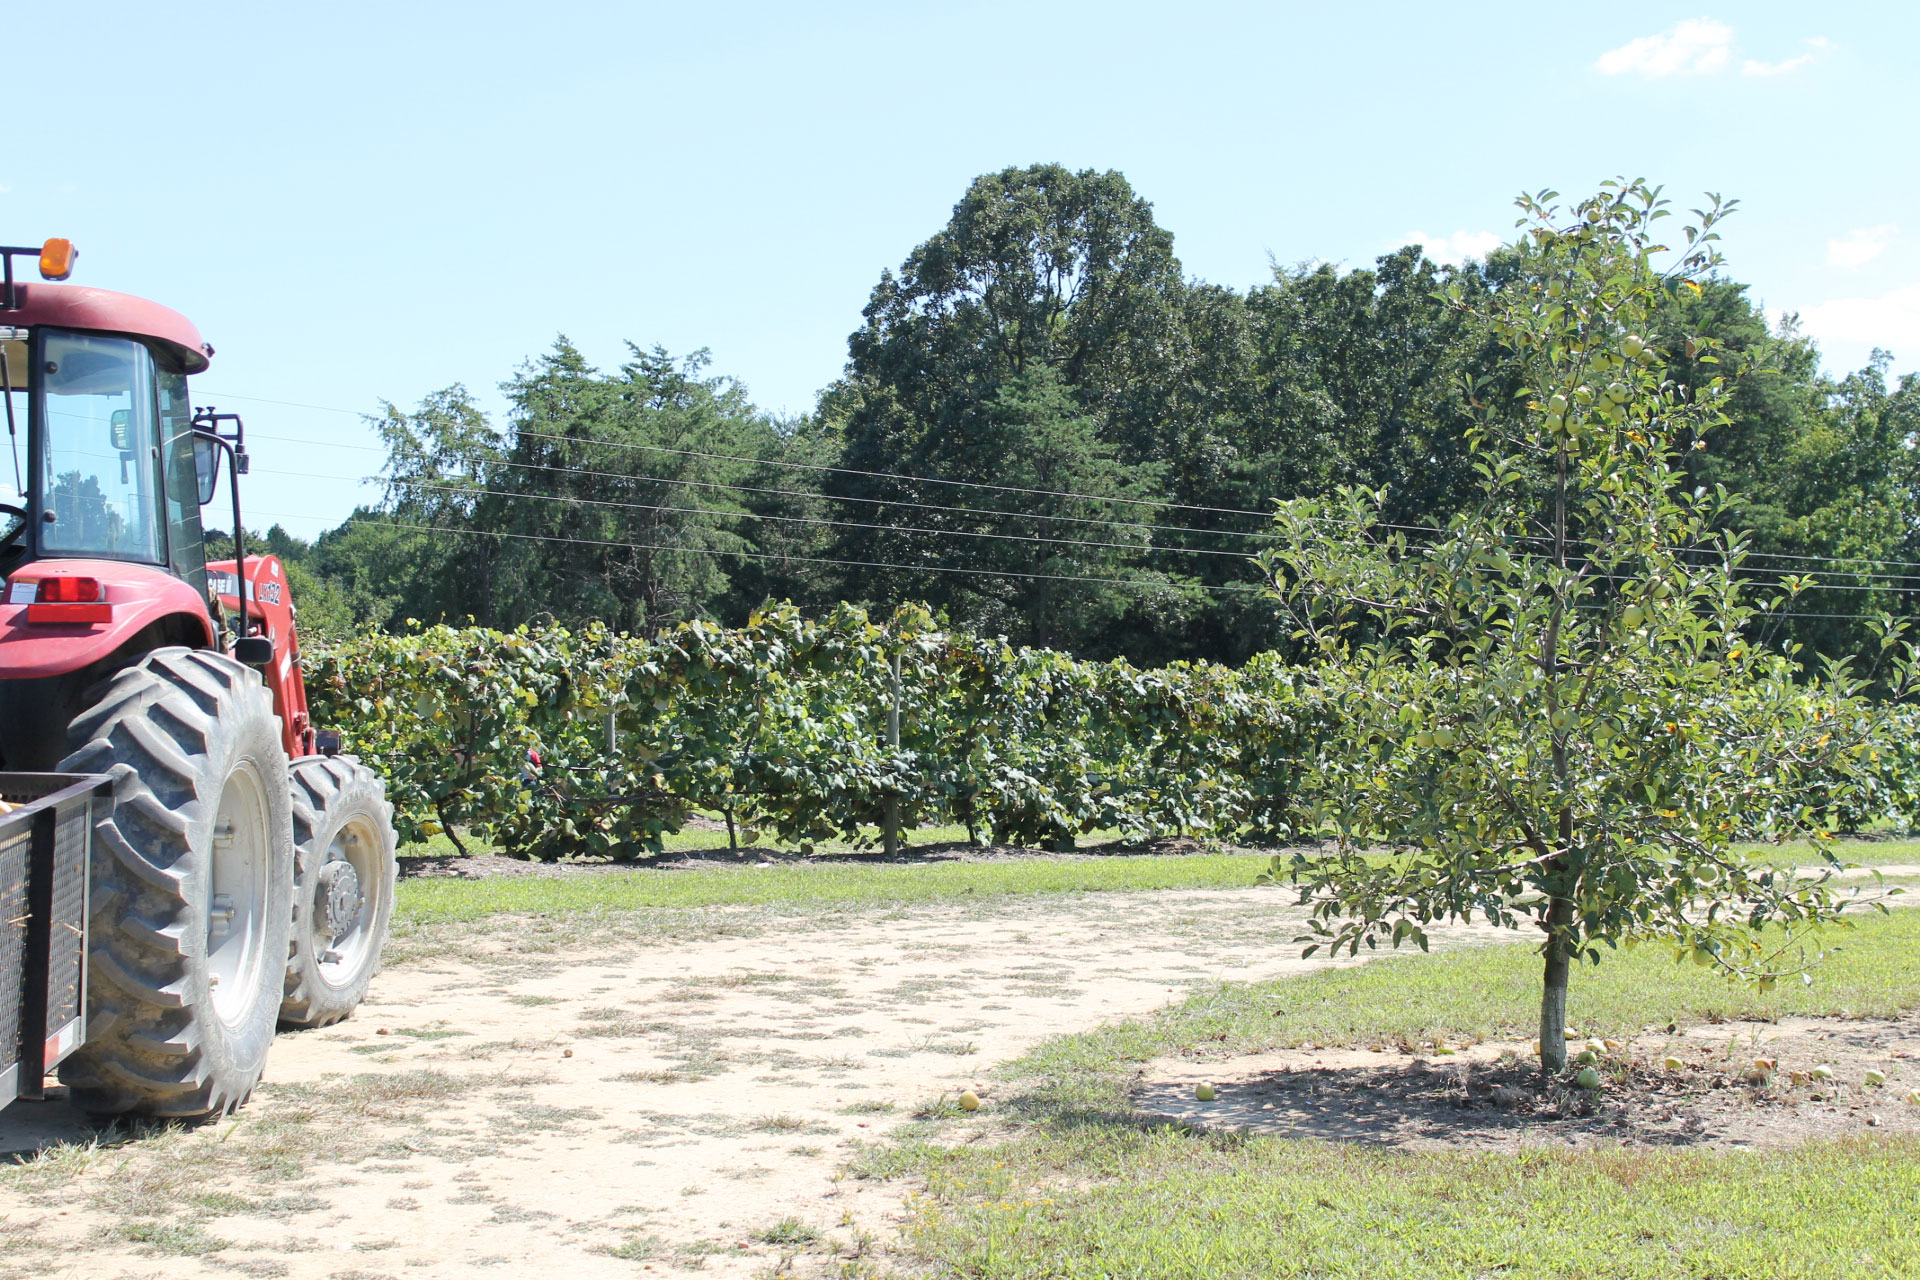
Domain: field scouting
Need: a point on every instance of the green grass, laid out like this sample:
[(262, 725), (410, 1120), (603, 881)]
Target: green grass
[(438, 901), (1864, 853), (1168, 1204), (705, 840), (1482, 993), (431, 901), (1079, 1190)]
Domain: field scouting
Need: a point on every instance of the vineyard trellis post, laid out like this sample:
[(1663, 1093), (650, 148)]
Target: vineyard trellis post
[(892, 830)]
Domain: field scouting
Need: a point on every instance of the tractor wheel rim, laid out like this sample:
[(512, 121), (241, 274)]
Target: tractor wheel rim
[(237, 895), (340, 951)]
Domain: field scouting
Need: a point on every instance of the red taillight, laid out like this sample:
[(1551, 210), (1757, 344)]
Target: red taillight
[(65, 590), (65, 600)]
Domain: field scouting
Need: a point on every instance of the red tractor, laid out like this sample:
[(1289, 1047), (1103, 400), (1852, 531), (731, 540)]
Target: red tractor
[(233, 871)]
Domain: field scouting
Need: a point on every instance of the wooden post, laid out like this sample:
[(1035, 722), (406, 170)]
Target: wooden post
[(891, 832)]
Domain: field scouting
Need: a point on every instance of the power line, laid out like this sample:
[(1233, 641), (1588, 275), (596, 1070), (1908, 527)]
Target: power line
[(1743, 567), (1132, 583), (572, 500), (851, 471), (1135, 584), (817, 467), (895, 475), (1142, 548), (977, 511), (917, 529), (810, 496)]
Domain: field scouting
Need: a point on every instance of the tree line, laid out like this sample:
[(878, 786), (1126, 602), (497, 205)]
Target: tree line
[(1047, 430)]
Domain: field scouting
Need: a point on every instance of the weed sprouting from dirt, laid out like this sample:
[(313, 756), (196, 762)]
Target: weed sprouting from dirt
[(787, 1231), (178, 1239), (779, 1124), (634, 1248)]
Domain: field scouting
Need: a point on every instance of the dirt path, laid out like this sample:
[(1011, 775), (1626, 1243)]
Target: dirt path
[(633, 1110)]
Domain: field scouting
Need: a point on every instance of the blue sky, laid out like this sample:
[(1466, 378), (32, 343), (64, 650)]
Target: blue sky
[(357, 201)]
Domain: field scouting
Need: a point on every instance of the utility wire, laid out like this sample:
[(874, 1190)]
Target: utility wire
[(1892, 583), (1029, 539), (1133, 583), (525, 433), (818, 467), (895, 475), (939, 533), (1760, 614), (629, 478), (947, 533)]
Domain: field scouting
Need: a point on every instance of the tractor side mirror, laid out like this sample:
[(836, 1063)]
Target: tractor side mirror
[(120, 425), (253, 651), (206, 467)]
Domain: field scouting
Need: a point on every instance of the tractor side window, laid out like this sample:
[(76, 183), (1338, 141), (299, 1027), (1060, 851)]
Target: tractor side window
[(100, 456), (185, 546)]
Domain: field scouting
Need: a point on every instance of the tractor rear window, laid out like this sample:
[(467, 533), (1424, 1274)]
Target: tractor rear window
[(99, 492)]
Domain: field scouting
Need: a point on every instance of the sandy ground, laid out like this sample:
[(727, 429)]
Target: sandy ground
[(641, 1109), (681, 1095)]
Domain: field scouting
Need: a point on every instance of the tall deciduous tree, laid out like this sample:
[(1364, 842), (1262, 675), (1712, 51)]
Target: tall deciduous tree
[(1038, 337), (440, 459), (1555, 703), (618, 488)]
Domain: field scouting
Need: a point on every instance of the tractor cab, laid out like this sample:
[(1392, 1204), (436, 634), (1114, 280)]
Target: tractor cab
[(101, 546), (103, 461)]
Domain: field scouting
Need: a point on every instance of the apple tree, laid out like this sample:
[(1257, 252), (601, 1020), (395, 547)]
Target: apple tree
[(1554, 714)]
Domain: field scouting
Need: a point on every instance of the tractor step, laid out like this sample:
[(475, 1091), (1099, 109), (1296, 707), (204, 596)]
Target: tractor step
[(46, 846)]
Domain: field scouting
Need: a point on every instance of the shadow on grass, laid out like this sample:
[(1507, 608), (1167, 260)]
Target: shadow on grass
[(32, 1126), (1703, 1087)]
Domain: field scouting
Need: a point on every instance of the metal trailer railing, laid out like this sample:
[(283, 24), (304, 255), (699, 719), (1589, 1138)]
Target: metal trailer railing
[(46, 849)]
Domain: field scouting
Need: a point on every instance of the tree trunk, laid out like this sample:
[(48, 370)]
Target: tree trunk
[(453, 837), (1553, 992)]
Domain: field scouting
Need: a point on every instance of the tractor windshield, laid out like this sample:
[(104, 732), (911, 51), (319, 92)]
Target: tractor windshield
[(99, 455)]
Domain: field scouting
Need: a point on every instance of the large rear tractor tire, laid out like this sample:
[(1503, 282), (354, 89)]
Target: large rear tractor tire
[(192, 887), (344, 869)]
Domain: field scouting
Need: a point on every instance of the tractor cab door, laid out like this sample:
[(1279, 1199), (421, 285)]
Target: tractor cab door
[(186, 543)]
